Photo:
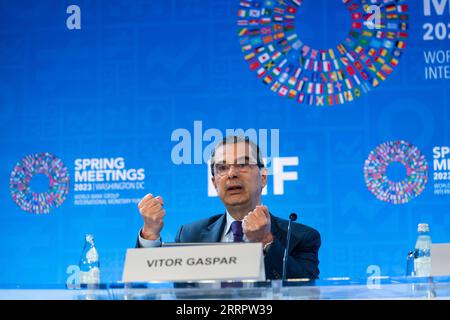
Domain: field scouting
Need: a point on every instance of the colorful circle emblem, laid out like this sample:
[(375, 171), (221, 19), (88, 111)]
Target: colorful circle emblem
[(41, 163), (311, 76), (376, 166)]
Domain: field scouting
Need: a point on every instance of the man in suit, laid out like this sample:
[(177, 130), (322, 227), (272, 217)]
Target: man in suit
[(239, 176)]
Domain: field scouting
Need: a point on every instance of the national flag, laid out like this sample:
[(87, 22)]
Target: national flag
[(383, 52), (278, 10), (278, 18), (289, 18), (254, 32), (292, 37), (297, 44), (403, 26), (392, 26), (269, 65), (265, 30), (319, 88), (367, 34), (300, 85), (326, 66), (392, 16), (391, 35), (283, 77), (401, 44), (268, 79), (314, 53), (243, 32), (275, 86), (278, 36), (402, 8), (393, 62), (340, 98), (356, 15), (388, 44), (358, 82), (271, 48), (402, 35), (381, 75), (265, 20), (297, 2), (276, 71), (387, 70), (379, 34), (242, 13), (359, 50), (255, 65), (267, 39), (333, 76), (330, 88), (277, 27), (261, 72), (291, 10), (348, 96), (264, 57), (310, 88), (375, 83), (301, 98), (259, 49), (254, 13), (256, 41), (372, 52), (390, 8), (249, 56), (348, 83), (357, 25), (292, 93), (319, 100), (276, 55), (330, 100), (340, 74), (331, 52), (253, 22), (242, 23), (247, 47), (341, 48), (245, 4), (283, 91), (358, 65), (380, 60)]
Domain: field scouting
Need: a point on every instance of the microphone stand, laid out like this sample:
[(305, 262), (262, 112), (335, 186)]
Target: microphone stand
[(292, 218)]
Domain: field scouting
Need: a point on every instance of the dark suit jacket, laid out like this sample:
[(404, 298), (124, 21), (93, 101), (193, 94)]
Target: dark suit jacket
[(303, 261)]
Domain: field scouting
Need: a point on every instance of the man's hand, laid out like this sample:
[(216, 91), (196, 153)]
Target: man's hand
[(151, 210), (256, 225)]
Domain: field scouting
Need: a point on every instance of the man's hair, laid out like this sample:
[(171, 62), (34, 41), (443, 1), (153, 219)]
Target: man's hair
[(234, 140)]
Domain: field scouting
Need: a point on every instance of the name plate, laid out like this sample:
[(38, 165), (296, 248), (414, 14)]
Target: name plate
[(227, 261)]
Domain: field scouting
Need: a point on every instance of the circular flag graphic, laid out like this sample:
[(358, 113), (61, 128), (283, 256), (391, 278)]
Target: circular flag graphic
[(43, 202), (322, 77), (393, 192)]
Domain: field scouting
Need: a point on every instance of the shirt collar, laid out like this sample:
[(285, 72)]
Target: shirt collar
[(229, 221)]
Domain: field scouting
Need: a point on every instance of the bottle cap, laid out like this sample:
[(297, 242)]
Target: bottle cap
[(423, 227)]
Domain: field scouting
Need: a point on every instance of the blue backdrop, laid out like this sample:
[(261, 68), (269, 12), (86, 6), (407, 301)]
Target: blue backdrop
[(84, 80)]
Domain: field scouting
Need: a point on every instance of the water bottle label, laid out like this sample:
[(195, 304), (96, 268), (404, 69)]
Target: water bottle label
[(90, 277), (422, 267)]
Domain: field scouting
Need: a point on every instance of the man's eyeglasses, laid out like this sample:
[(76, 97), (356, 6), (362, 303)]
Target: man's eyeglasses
[(221, 169)]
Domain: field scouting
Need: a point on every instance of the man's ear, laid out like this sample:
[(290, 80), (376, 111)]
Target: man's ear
[(264, 177), (213, 180)]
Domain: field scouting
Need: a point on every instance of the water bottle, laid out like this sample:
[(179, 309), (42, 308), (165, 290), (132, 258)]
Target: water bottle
[(89, 263), (422, 261)]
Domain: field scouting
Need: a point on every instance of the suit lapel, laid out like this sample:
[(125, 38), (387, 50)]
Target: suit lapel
[(214, 231)]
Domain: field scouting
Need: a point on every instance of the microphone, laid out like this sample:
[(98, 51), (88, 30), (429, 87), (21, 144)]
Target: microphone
[(292, 218)]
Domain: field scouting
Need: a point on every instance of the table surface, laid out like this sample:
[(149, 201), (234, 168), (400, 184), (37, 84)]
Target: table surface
[(326, 289)]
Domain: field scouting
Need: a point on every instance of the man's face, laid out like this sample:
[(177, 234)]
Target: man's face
[(240, 184)]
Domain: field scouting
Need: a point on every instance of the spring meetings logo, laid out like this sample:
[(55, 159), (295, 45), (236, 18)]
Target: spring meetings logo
[(40, 182), (36, 164), (322, 77)]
